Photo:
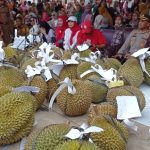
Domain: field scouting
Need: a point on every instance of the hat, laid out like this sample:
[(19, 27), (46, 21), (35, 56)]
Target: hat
[(72, 18), (86, 26), (145, 17)]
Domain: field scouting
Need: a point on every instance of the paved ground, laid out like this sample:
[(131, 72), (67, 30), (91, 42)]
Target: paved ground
[(137, 141)]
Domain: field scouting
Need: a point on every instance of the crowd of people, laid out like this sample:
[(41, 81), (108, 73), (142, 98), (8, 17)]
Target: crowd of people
[(76, 23)]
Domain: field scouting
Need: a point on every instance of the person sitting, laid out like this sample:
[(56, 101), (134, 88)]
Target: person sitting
[(71, 33), (34, 30), (22, 29), (60, 30), (118, 37), (47, 33), (136, 39), (90, 36)]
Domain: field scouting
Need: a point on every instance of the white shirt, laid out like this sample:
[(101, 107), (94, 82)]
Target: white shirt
[(67, 37)]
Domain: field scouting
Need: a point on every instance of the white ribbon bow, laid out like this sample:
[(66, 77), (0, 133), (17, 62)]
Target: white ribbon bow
[(2, 52), (40, 67), (142, 54), (92, 57), (107, 75), (66, 83), (33, 89), (77, 134), (82, 47)]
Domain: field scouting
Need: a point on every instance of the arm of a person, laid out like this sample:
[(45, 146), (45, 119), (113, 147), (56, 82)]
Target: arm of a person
[(126, 46), (50, 36), (102, 40), (66, 43)]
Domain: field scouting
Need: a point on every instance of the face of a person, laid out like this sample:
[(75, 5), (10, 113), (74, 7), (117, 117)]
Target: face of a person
[(33, 21), (118, 21), (18, 22), (60, 22), (143, 24), (70, 24), (1, 2), (134, 17)]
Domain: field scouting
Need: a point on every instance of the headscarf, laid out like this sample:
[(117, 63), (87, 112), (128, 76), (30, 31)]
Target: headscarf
[(59, 32), (45, 17), (74, 30)]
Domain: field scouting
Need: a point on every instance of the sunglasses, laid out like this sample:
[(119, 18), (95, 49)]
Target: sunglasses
[(32, 20)]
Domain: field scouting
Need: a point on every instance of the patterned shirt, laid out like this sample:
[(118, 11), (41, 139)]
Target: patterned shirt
[(135, 41)]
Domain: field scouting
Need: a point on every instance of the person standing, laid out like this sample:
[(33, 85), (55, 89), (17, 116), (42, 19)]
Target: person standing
[(5, 23)]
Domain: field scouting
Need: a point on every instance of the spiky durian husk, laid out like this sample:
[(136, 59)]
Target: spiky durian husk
[(4, 89), (50, 137), (23, 132), (52, 86), (112, 63), (131, 72), (17, 109), (84, 66), (99, 90), (147, 66), (67, 55), (112, 138), (38, 81), (126, 91), (11, 77), (58, 52), (76, 145), (31, 138), (77, 104), (11, 55), (69, 71), (27, 61), (102, 110)]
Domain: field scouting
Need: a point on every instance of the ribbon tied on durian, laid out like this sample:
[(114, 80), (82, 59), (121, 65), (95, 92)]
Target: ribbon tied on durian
[(142, 54), (107, 75), (93, 56), (66, 83), (82, 132), (40, 68)]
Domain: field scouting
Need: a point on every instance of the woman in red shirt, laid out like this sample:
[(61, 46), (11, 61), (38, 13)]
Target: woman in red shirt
[(90, 36), (60, 30)]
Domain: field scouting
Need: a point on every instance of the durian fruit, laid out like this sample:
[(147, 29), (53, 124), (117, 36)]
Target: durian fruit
[(85, 53), (76, 145), (77, 104), (10, 52), (102, 110), (50, 137), (99, 90), (16, 115), (114, 136), (84, 66), (26, 62), (4, 89), (52, 86), (58, 52), (67, 55), (147, 66), (131, 72), (23, 132), (38, 81), (68, 71), (31, 138), (11, 77), (112, 63), (126, 91), (11, 55)]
